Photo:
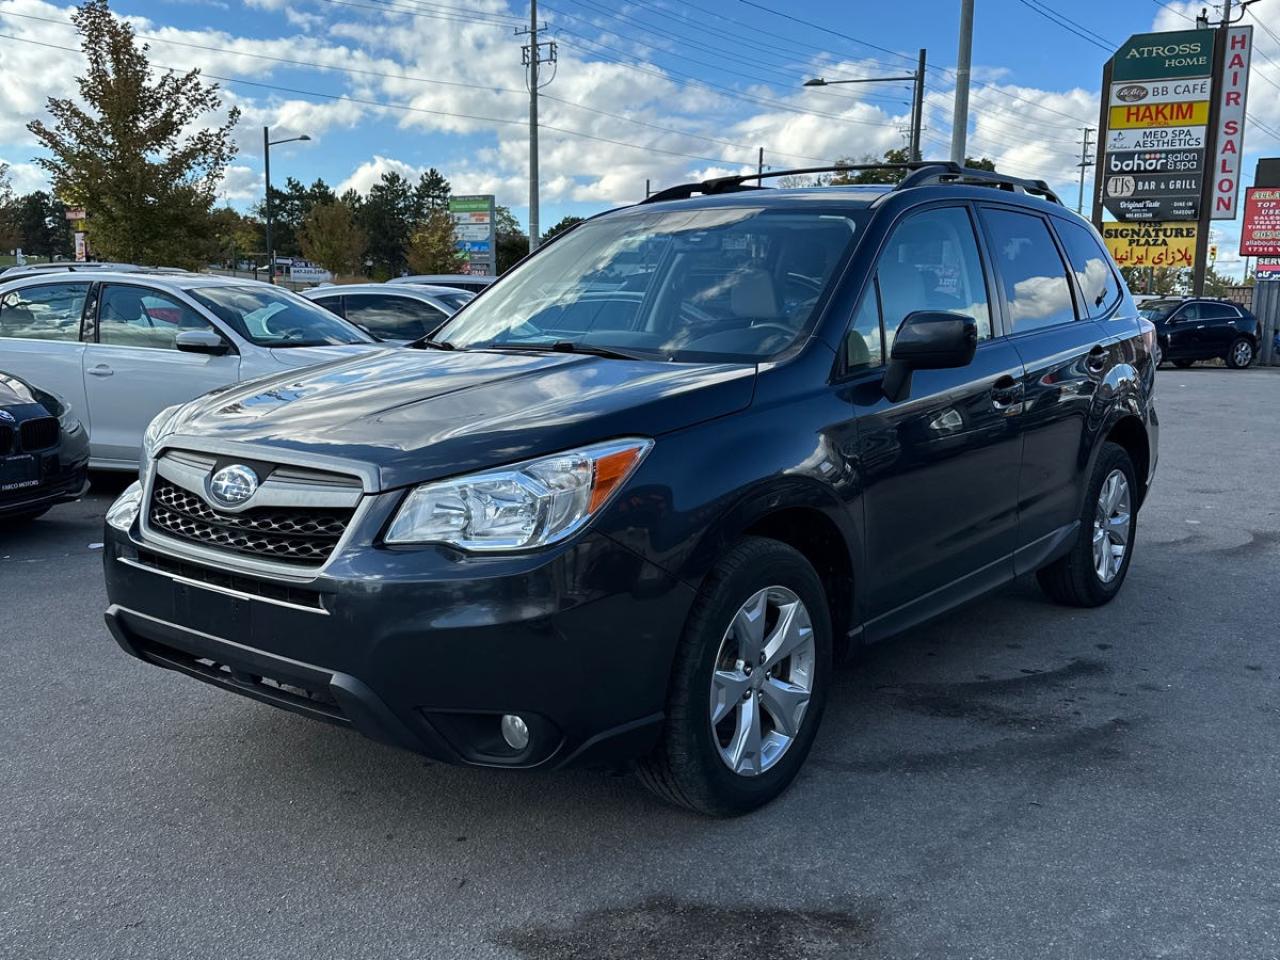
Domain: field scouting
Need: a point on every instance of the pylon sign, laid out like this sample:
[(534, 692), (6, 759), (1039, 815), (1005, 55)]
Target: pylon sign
[(1157, 126)]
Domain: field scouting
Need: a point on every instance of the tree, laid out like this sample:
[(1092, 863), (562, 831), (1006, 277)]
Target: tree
[(234, 236), (42, 226), (332, 238), (432, 249), (512, 241), (1161, 281), (387, 218), (8, 211), (431, 193), (289, 209), (139, 156), (564, 224)]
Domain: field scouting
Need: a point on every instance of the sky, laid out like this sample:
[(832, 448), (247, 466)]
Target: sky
[(653, 91)]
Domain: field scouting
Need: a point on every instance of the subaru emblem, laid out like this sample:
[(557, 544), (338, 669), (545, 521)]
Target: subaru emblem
[(233, 485)]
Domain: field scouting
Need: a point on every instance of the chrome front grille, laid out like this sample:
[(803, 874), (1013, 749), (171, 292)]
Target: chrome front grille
[(296, 535)]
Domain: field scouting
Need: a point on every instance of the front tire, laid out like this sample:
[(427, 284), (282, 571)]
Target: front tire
[(748, 685), (1241, 354), (1094, 571)]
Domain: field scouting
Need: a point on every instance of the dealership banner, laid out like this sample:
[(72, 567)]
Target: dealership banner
[(1233, 91), (1260, 233), (1151, 244)]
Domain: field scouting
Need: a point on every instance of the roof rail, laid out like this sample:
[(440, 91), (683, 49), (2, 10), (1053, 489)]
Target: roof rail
[(918, 173)]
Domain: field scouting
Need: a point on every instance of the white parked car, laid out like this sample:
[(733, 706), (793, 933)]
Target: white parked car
[(398, 314), (120, 347), (459, 281)]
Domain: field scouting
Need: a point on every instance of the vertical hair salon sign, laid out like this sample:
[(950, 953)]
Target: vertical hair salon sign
[(1233, 88)]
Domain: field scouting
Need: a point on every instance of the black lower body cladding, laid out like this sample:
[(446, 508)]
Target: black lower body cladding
[(577, 642)]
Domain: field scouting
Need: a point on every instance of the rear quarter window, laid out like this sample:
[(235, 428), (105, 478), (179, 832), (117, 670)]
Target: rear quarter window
[(1092, 266)]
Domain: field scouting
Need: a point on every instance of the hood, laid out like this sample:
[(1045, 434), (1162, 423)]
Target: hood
[(418, 415), (310, 356), (16, 392)]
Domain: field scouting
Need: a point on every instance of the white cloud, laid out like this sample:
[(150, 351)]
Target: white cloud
[(26, 177), (370, 172)]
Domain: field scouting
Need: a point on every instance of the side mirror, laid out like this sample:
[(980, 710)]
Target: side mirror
[(928, 340), (201, 341)]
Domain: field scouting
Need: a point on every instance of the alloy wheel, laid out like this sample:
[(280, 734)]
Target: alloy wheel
[(762, 681), (1243, 353), (1112, 525)]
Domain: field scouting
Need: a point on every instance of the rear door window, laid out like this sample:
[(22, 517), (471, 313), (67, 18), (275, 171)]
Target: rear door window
[(1037, 290), (46, 312), (1094, 273), (1217, 311)]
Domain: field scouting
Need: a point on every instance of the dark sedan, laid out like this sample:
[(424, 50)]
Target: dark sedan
[(44, 451), (1202, 329)]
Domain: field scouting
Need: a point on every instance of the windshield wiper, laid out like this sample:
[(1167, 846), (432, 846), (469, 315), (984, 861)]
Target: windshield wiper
[(564, 346), (427, 342)]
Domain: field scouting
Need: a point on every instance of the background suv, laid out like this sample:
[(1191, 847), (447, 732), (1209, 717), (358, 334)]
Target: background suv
[(641, 492), (120, 347), (1201, 329)]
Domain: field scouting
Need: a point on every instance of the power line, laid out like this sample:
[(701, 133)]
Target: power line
[(721, 52), (670, 74), (1064, 23), (825, 29), (452, 83), (381, 104)]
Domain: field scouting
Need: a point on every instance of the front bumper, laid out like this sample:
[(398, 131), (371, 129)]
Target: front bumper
[(425, 648), (61, 484)]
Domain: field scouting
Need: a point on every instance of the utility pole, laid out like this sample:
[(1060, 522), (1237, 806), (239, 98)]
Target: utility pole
[(1084, 164), (964, 59), (532, 53), (760, 163), (917, 107)]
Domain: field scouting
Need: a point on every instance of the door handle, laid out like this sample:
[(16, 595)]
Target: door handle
[(1005, 393), (1096, 361), (101, 370), (1200, 326)]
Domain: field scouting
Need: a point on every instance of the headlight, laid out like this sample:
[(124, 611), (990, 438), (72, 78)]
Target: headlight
[(68, 422), (526, 505), (125, 509), (157, 430)]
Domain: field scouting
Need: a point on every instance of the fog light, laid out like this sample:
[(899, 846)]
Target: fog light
[(515, 731)]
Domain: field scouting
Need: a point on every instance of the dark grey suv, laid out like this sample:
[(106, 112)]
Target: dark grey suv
[(630, 503)]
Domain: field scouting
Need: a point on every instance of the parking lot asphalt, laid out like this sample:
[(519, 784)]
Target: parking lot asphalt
[(1017, 781)]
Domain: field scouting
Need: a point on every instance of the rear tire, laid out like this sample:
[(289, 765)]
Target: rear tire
[(718, 767), (1241, 354), (1183, 364), (1092, 573)]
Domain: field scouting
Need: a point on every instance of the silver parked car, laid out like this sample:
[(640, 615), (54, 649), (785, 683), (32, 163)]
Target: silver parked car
[(475, 283), (123, 346), (395, 314)]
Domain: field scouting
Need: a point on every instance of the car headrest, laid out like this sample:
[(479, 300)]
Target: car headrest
[(753, 294)]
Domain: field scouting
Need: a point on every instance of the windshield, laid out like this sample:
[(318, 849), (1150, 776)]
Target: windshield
[(1154, 310), (276, 318), (721, 283)]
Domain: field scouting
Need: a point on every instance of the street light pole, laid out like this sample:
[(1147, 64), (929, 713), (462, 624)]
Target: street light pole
[(267, 144), (266, 173), (917, 98), (964, 59)]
